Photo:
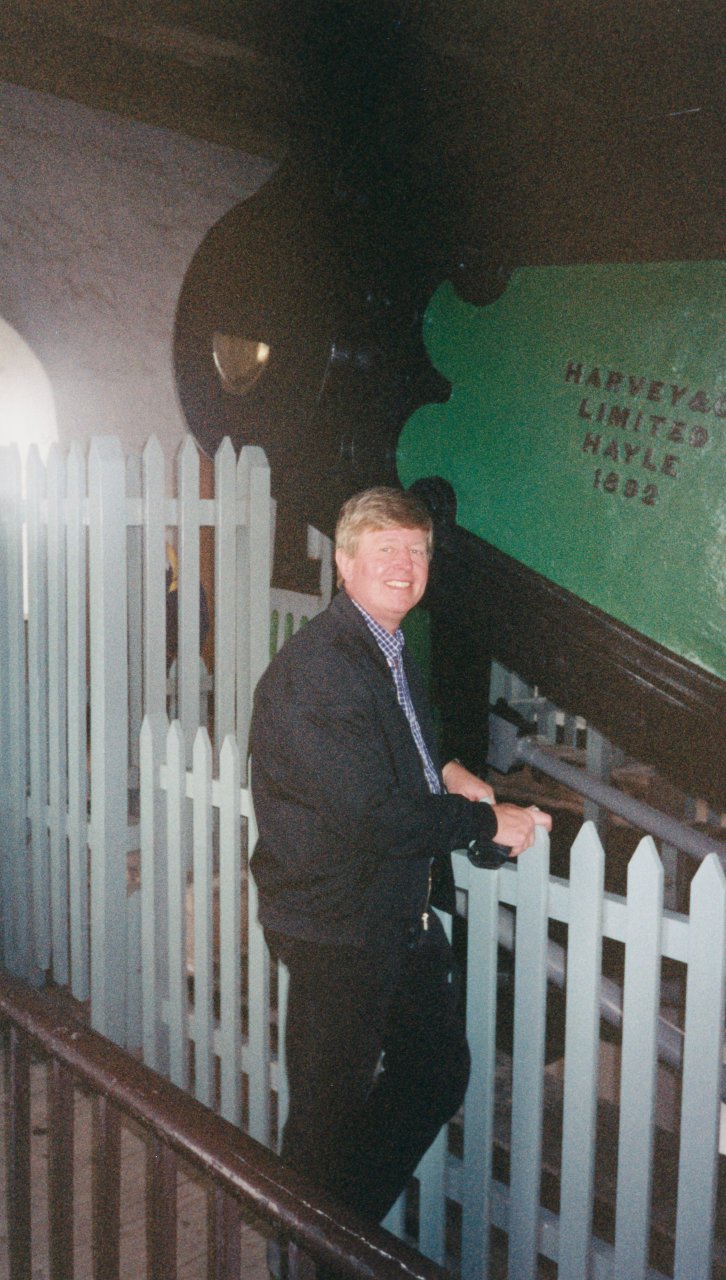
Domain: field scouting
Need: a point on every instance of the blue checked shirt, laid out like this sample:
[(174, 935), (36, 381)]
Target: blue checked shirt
[(391, 647)]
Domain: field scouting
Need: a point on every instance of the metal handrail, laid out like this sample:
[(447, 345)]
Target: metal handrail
[(507, 748), (319, 1228)]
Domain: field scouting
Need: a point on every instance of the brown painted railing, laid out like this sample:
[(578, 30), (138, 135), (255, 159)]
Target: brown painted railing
[(240, 1172)]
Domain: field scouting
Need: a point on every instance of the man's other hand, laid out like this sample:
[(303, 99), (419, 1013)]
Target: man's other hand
[(460, 782), (515, 826)]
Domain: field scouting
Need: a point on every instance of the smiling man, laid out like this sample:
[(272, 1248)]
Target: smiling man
[(357, 820)]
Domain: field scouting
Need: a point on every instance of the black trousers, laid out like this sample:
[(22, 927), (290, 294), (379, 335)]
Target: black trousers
[(376, 1058)]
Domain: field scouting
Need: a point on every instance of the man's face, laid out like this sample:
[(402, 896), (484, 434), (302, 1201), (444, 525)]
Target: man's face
[(388, 573)]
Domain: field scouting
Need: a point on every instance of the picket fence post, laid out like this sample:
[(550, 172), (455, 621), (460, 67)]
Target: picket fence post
[(57, 716), (582, 1043), (37, 642), (702, 1073), (638, 1076), (232, 865), (109, 734), (202, 870), (530, 985), (154, 891), (154, 577), (77, 702), (253, 582), (225, 580), (481, 1015), (177, 828), (16, 879)]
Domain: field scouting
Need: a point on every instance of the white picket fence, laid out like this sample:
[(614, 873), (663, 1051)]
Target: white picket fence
[(149, 910), (187, 1037), (83, 655)]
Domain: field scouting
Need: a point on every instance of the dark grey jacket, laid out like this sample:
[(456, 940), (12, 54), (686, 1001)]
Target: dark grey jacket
[(347, 825)]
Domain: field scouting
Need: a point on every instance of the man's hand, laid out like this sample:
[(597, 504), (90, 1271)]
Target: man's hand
[(515, 826), (460, 782)]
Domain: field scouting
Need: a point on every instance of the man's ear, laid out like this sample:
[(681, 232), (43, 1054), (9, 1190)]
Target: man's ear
[(342, 564)]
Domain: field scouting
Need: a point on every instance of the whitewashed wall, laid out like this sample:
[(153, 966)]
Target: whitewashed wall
[(99, 219)]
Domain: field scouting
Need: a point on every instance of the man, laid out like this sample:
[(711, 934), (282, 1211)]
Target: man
[(356, 823)]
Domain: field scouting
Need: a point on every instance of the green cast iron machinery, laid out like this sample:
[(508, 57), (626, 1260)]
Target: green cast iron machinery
[(498, 235)]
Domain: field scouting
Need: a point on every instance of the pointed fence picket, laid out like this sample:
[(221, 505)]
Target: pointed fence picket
[(15, 879), (584, 957), (77, 723), (638, 1078), (530, 980), (213, 1029), (37, 645)]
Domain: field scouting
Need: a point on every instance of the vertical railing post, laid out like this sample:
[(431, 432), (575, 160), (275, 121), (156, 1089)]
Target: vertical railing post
[(109, 735), (18, 1156), (599, 754), (161, 1211), (106, 1190), (60, 1171), (224, 1232)]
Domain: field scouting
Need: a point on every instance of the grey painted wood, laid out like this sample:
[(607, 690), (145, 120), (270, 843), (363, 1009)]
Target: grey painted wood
[(258, 996), (530, 984), (77, 656), (283, 1092), (188, 589), (581, 1054), (57, 713), (18, 951), (134, 1013), (433, 1181), (202, 904), (154, 581), (639, 1061), (225, 576), (481, 1005), (109, 734), (37, 642), (176, 831), (6, 885), (242, 630), (154, 912), (134, 608), (253, 577), (232, 866), (702, 1074)]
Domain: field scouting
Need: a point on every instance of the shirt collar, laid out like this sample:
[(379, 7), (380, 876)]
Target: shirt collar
[(390, 644)]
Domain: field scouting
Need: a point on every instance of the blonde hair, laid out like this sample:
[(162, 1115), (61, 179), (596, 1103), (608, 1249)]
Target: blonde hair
[(380, 508)]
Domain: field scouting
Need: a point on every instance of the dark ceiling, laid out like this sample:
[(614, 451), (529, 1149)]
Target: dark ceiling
[(524, 117)]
